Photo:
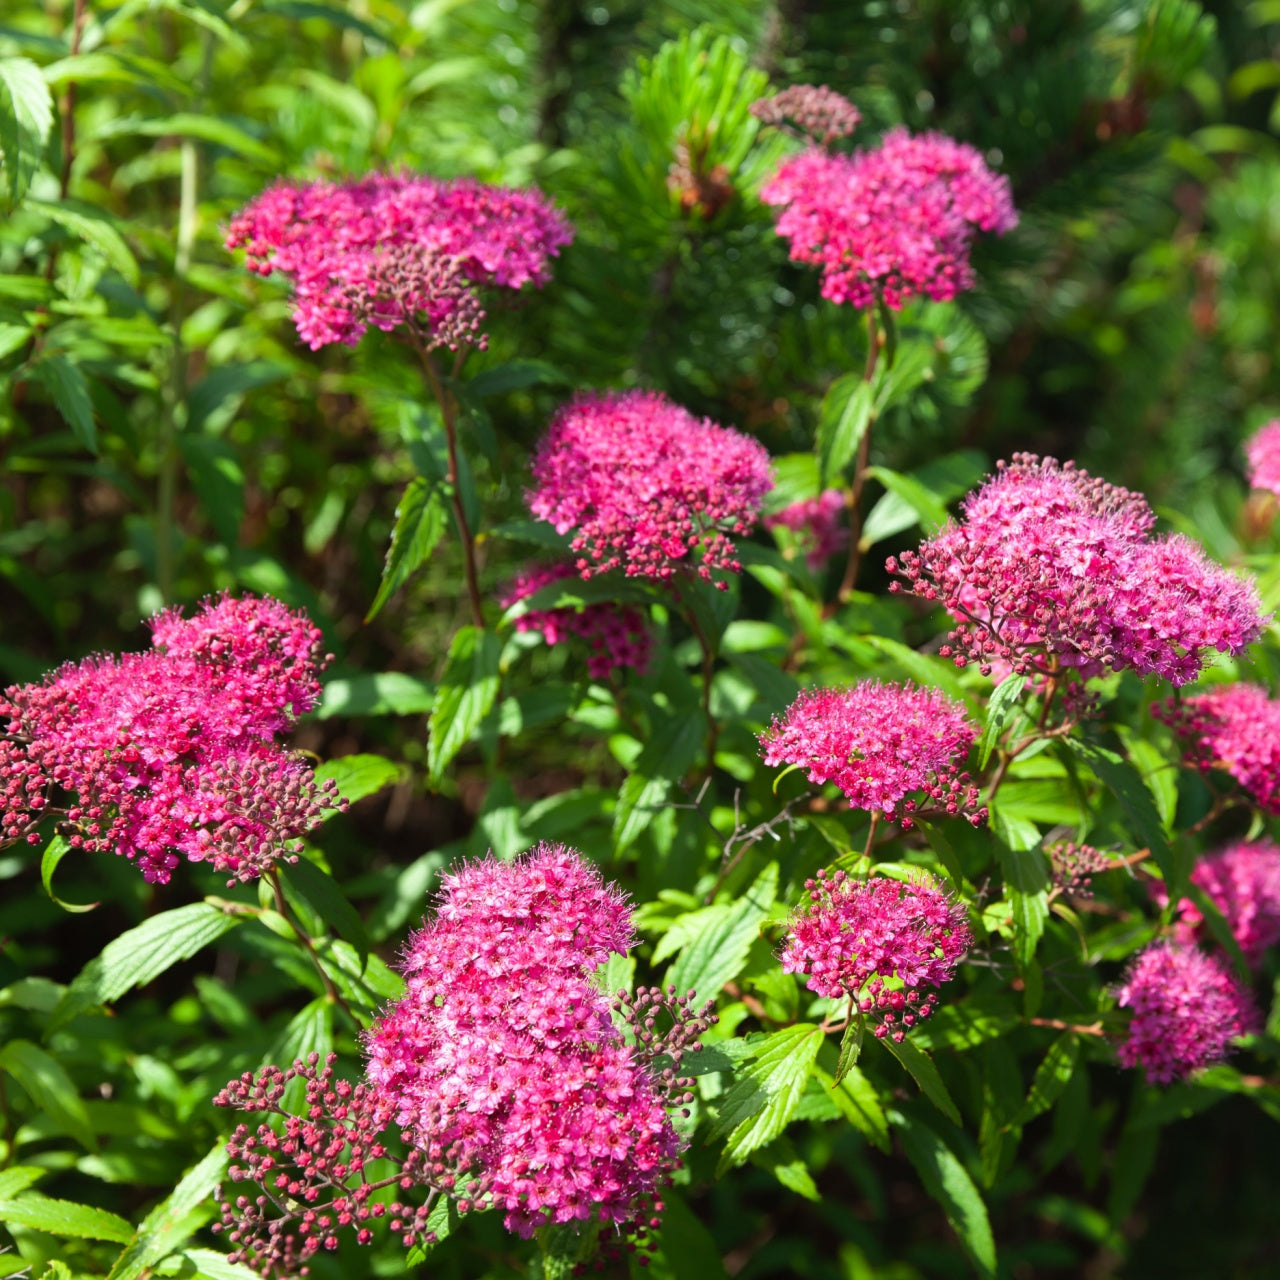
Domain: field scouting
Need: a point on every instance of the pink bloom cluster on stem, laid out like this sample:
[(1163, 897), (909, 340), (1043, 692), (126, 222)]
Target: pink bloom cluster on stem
[(816, 111), (1051, 568), (1187, 1008), (1263, 452), (503, 1064), (617, 635), (393, 248), (891, 223), (1242, 880), (883, 745), (818, 524), (171, 753), (1235, 728), (880, 942), (646, 487)]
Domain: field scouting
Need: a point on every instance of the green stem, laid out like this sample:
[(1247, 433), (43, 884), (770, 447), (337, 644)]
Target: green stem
[(282, 908), (854, 562)]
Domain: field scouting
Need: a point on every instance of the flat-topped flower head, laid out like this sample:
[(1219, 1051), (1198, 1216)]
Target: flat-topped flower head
[(1242, 880), (819, 526), (502, 1062), (1263, 452), (891, 223), (617, 635), (1050, 568), (646, 487), (819, 113), (1235, 728), (1187, 1009), (896, 750), (171, 753), (391, 248), (883, 942)]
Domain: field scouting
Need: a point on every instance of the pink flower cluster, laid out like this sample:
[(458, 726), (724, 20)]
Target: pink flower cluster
[(647, 487), (1263, 452), (818, 525), (397, 247), (617, 635), (816, 111), (1187, 1008), (878, 941), (171, 753), (891, 223), (881, 744), (502, 1062), (1051, 568), (1235, 728), (1243, 881)]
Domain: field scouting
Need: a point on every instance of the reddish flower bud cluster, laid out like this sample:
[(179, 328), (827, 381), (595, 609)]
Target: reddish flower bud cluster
[(878, 941), (617, 635), (502, 1063), (1051, 568), (1236, 728), (882, 745), (892, 223), (818, 525), (170, 753), (389, 248), (1187, 1008), (814, 110), (1263, 452), (648, 487), (1243, 881), (1074, 866)]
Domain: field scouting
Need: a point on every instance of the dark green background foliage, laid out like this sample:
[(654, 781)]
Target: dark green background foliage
[(165, 436)]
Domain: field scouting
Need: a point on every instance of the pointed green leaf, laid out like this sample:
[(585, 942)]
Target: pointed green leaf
[(666, 758), (419, 525), (468, 689), (63, 1218), (26, 115), (45, 1081), (69, 391), (920, 1066), (359, 776), (850, 1046), (54, 852), (843, 421), (1004, 697), (1052, 1077)]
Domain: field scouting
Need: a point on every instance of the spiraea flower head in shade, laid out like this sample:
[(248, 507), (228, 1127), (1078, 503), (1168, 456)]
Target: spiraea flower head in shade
[(813, 110), (1262, 450), (1235, 728), (1242, 880), (502, 1060), (891, 223), (1187, 1008), (888, 944), (393, 248), (1050, 569), (647, 488), (819, 526), (894, 750), (171, 753), (617, 636)]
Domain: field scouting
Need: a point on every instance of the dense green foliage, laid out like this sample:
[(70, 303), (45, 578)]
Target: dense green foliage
[(166, 436)]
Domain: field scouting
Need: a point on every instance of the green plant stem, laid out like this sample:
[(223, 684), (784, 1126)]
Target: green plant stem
[(282, 907), (449, 415), (854, 501)]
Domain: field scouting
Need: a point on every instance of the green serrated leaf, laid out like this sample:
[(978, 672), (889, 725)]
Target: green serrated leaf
[(26, 115), (1052, 1077), (843, 421), (97, 228), (766, 1093), (442, 1221), (54, 852), (419, 525), (69, 391), (667, 757), (931, 512), (359, 776), (141, 954), (387, 693), (921, 1069), (515, 375), (856, 1099), (63, 1218), (468, 689), (325, 895), (850, 1046), (45, 1081), (947, 1181), (1004, 697)]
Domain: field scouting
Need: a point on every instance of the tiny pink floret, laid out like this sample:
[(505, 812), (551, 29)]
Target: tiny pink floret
[(1263, 452), (646, 487)]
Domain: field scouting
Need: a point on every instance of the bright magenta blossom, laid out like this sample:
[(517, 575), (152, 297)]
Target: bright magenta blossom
[(1263, 451), (647, 487), (391, 247), (883, 745), (891, 223), (617, 635), (501, 1059), (1243, 882), (1187, 1008), (1235, 728), (818, 523), (171, 753), (1052, 568), (879, 941)]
